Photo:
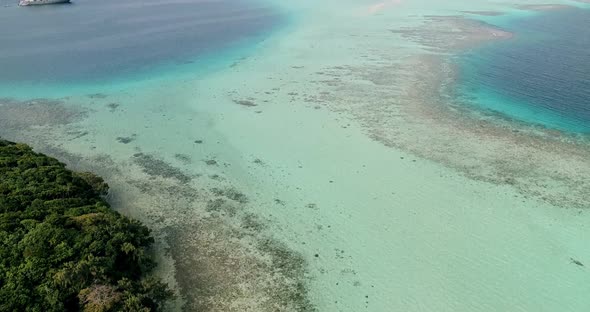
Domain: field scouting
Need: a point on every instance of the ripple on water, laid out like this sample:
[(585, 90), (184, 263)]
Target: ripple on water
[(541, 76)]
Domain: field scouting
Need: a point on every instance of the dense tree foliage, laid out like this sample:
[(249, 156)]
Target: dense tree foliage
[(62, 248)]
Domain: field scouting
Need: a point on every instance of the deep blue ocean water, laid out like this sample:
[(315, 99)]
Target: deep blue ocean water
[(540, 76), (98, 41)]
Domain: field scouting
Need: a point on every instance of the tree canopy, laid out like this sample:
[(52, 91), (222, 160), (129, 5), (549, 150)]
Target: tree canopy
[(62, 248)]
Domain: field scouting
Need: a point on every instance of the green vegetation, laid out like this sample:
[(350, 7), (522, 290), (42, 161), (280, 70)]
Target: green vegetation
[(62, 248)]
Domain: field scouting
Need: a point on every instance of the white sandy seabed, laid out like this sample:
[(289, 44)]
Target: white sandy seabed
[(323, 130)]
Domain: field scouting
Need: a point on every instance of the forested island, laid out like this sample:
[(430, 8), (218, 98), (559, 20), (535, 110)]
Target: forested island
[(62, 248)]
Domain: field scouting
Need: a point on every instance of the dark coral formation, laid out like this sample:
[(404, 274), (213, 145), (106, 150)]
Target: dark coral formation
[(18, 115), (411, 104), (156, 167), (247, 103)]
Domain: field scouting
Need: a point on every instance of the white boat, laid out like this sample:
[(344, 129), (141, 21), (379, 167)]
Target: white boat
[(41, 2)]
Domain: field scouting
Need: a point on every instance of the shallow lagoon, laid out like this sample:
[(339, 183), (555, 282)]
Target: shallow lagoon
[(331, 170)]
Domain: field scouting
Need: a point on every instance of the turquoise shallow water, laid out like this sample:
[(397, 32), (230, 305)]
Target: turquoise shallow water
[(446, 242), (540, 76)]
